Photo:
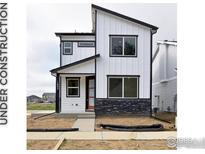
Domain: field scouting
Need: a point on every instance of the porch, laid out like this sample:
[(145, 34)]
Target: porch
[(77, 93), (75, 86)]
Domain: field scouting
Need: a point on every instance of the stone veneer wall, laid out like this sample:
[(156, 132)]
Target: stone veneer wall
[(107, 106)]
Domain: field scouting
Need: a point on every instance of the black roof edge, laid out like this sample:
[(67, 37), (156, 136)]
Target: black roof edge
[(124, 17), (74, 63), (79, 34)]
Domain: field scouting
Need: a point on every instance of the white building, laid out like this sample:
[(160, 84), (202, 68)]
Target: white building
[(164, 94), (107, 71)]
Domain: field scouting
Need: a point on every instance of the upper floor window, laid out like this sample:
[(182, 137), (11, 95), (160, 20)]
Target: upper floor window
[(123, 46), (86, 44), (67, 48)]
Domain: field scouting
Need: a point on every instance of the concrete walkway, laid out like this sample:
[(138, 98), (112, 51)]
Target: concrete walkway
[(100, 135), (30, 112), (85, 124)]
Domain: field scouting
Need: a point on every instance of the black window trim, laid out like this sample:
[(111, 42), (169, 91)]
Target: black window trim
[(64, 48), (123, 76), (75, 78), (84, 46), (129, 56)]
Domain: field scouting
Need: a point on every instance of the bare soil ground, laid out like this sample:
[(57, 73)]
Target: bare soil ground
[(167, 116), (41, 144), (50, 122), (115, 145), (129, 121)]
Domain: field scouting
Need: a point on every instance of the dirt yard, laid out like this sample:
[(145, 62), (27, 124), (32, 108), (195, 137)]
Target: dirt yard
[(51, 121), (115, 145), (99, 145), (41, 144), (167, 116), (129, 121)]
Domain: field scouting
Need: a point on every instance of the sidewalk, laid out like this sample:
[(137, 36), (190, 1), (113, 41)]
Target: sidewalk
[(29, 112), (100, 135), (85, 124)]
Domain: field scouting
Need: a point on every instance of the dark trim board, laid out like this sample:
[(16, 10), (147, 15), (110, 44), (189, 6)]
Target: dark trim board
[(90, 74), (57, 109), (86, 46), (123, 35), (60, 92), (60, 52), (151, 34), (77, 41), (124, 17), (110, 75), (79, 34), (74, 63), (95, 58)]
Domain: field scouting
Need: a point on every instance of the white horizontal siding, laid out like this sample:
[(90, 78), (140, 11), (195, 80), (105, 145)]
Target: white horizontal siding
[(108, 24), (77, 37), (78, 53), (86, 67)]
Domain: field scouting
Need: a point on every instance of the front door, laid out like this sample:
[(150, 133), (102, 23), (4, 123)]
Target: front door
[(90, 92)]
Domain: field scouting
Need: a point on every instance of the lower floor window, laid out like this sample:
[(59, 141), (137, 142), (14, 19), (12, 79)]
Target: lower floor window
[(73, 87), (123, 87)]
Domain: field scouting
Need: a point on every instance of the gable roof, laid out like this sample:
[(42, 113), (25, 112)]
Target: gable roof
[(74, 63), (124, 17)]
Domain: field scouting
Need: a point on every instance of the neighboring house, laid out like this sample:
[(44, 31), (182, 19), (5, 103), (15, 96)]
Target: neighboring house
[(48, 97), (164, 95), (108, 71), (34, 99)]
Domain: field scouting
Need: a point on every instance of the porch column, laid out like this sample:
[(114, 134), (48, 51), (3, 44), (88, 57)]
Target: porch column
[(57, 93)]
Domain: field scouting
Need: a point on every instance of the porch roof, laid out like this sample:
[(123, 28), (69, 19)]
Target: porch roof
[(55, 70)]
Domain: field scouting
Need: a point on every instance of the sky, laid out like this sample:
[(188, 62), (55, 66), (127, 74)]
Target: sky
[(43, 20)]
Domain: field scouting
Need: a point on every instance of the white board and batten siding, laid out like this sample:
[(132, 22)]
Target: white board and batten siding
[(86, 67), (76, 104), (79, 53), (72, 104), (108, 24)]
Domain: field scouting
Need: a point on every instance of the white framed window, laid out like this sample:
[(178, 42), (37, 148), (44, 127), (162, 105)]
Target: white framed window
[(67, 48), (73, 87), (123, 86), (123, 46), (86, 44)]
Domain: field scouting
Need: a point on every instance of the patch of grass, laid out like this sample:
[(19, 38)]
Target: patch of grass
[(40, 106)]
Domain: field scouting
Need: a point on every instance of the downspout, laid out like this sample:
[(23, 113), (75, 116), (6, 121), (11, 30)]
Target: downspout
[(95, 59), (165, 63), (152, 32)]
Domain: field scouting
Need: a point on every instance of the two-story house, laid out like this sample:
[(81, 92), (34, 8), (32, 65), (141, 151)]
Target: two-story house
[(107, 71)]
